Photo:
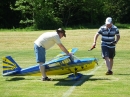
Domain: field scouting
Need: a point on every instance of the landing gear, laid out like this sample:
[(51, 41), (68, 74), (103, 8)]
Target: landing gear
[(74, 76)]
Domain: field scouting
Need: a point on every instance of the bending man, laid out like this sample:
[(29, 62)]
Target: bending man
[(43, 43)]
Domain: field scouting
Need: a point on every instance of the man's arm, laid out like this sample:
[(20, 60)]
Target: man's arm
[(95, 39), (94, 43), (117, 38), (63, 48), (66, 51)]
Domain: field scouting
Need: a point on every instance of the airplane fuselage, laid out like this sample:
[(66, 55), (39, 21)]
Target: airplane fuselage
[(58, 68)]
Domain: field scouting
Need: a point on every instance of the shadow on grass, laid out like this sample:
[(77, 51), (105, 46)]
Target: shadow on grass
[(122, 74), (15, 79), (79, 82), (64, 82)]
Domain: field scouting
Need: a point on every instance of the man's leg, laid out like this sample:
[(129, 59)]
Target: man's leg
[(111, 63), (40, 58), (111, 56), (42, 70), (105, 55), (107, 62)]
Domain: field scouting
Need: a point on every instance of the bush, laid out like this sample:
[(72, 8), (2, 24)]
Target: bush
[(47, 22)]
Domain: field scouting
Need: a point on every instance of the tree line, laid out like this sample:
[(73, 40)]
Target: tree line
[(51, 14)]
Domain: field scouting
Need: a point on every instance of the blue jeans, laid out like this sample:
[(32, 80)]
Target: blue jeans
[(40, 53)]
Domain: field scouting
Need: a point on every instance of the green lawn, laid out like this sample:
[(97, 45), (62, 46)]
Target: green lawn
[(94, 83)]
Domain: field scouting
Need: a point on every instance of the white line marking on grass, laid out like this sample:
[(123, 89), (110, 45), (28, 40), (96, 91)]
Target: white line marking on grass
[(67, 93)]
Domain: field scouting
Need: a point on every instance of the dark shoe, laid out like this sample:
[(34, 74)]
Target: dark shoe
[(109, 72), (46, 79)]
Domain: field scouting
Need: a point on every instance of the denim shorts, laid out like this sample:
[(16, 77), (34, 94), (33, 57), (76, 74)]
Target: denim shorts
[(40, 53), (108, 52)]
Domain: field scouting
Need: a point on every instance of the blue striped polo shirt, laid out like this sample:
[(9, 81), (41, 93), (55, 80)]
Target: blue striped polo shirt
[(108, 35)]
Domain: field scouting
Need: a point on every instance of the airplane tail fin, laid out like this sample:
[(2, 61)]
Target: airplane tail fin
[(10, 67)]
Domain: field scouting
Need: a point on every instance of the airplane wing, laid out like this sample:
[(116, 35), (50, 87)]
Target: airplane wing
[(57, 59), (73, 50), (60, 57)]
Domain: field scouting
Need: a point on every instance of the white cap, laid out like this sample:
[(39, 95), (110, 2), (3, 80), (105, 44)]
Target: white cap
[(108, 20)]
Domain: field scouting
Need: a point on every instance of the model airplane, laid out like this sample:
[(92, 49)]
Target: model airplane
[(59, 65)]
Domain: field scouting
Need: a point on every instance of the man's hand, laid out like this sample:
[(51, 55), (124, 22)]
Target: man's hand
[(71, 56), (93, 46), (114, 42)]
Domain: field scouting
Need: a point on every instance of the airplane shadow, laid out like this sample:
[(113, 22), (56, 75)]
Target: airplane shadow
[(15, 79), (64, 82), (79, 82)]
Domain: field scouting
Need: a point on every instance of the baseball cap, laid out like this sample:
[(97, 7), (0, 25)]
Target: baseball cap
[(108, 20), (62, 31)]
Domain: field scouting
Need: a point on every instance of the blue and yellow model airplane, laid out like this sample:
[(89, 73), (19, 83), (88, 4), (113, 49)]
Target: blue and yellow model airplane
[(59, 65)]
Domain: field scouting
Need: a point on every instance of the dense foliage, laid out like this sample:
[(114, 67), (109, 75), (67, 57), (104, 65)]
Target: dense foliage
[(50, 14)]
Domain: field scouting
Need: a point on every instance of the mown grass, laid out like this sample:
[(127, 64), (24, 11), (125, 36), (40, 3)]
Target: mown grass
[(19, 44)]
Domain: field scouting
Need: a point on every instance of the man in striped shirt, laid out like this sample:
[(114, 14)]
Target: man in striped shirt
[(110, 37)]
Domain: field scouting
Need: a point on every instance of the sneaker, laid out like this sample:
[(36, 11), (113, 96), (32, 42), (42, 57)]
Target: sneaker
[(109, 72), (46, 79)]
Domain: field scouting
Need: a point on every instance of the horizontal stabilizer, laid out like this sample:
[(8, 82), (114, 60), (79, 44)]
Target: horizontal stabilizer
[(9, 66)]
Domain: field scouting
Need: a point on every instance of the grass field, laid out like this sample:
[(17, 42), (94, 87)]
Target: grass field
[(94, 83)]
